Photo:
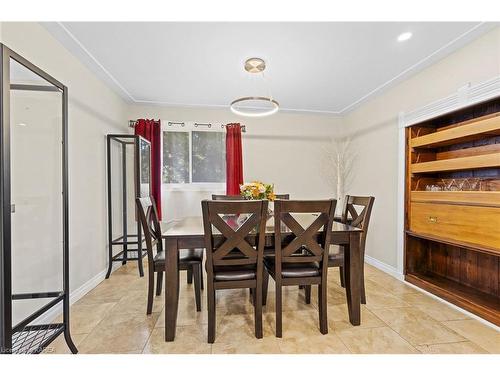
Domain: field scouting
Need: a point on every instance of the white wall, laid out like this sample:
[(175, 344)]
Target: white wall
[(286, 149), (374, 129), (94, 111)]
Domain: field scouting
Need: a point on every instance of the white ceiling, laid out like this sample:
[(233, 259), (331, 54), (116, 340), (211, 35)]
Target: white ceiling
[(317, 67)]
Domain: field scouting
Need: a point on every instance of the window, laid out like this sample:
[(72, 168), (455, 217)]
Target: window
[(175, 157), (194, 156), (208, 157)]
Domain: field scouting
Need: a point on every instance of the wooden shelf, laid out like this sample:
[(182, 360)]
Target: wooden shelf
[(466, 163), (448, 241), (471, 198), (459, 133), (470, 299)]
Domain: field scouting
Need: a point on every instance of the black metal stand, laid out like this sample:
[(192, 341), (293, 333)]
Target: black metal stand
[(27, 337), (130, 243)]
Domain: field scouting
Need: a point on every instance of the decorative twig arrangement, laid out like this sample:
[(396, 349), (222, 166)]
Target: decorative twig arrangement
[(337, 165)]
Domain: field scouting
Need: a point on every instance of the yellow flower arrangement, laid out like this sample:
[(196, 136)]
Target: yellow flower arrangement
[(257, 190)]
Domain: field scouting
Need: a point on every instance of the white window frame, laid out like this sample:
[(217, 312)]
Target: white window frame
[(189, 127)]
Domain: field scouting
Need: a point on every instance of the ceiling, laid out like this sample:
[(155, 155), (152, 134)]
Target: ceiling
[(312, 67)]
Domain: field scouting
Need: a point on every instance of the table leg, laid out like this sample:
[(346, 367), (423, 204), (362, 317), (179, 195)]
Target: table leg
[(171, 287), (353, 269)]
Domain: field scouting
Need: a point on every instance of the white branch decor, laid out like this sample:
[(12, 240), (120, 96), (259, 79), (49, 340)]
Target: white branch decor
[(337, 166)]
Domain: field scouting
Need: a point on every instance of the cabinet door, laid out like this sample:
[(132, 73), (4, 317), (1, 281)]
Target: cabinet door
[(472, 224)]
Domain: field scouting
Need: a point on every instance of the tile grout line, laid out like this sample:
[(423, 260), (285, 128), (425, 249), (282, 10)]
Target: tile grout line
[(432, 319), (151, 333)]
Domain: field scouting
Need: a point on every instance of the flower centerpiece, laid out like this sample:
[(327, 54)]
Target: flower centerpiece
[(257, 190)]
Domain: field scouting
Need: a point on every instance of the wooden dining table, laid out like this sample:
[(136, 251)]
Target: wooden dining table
[(188, 233)]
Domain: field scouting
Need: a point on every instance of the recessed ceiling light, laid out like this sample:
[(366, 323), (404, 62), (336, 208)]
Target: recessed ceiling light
[(404, 36)]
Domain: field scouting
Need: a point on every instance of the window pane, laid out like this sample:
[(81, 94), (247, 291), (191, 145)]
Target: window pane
[(209, 157), (175, 157)]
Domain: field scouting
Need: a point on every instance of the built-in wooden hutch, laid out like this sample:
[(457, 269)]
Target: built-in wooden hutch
[(452, 201)]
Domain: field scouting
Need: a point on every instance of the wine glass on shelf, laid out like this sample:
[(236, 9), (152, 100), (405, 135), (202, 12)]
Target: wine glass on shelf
[(463, 184), (475, 184), (452, 185)]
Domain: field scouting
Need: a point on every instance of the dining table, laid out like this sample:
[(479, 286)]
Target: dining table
[(188, 233)]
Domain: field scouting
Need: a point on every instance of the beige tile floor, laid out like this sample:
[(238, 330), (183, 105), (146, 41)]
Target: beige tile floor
[(396, 319)]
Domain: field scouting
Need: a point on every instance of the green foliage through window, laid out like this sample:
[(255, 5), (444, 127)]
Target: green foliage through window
[(207, 163)]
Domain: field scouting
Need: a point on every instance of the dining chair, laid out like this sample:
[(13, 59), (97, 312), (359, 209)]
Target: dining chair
[(301, 253), (267, 250), (189, 259), (234, 241), (356, 212)]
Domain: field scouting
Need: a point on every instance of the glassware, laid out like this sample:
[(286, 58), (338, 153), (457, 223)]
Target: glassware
[(463, 184), (475, 184), (433, 188), (452, 185)]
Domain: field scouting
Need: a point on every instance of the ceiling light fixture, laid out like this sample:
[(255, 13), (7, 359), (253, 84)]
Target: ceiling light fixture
[(255, 65), (404, 36)]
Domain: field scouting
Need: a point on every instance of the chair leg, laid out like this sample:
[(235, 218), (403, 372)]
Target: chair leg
[(279, 315), (323, 318), (197, 285), (159, 283), (201, 276), (363, 294), (257, 306), (252, 296), (151, 281), (308, 294), (302, 286), (342, 277), (265, 286), (211, 312), (190, 275)]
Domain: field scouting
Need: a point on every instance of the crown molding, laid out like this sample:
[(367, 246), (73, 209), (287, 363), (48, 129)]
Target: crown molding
[(219, 106), (78, 49), (420, 65), (465, 96)]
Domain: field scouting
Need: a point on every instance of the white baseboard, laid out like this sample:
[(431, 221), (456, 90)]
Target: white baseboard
[(465, 312), (384, 267), (74, 296), (395, 273)]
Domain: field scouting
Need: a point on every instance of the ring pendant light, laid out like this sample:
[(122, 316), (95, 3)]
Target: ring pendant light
[(255, 65)]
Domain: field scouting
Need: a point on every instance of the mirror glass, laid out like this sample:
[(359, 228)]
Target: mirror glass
[(144, 167)]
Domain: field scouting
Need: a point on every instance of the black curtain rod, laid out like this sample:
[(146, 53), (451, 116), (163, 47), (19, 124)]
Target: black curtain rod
[(131, 124)]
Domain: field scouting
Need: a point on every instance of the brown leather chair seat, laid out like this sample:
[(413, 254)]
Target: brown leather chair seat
[(309, 269), (185, 256), (234, 273)]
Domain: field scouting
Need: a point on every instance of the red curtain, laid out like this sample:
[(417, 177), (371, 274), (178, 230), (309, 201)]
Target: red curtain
[(151, 130), (234, 159)]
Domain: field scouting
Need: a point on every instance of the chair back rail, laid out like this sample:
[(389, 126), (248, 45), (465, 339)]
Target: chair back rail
[(306, 246), (357, 212), (150, 224), (221, 197)]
